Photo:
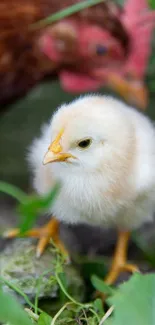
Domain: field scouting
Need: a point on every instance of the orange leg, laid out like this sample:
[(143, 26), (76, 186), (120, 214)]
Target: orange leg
[(45, 233), (119, 263)]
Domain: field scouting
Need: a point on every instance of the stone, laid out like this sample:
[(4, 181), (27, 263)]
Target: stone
[(20, 266)]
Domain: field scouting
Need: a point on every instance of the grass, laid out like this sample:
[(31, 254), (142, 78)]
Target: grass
[(64, 13), (70, 310), (131, 303), (29, 205), (120, 307)]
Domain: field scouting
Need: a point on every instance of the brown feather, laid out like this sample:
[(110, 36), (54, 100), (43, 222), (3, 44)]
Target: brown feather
[(22, 64)]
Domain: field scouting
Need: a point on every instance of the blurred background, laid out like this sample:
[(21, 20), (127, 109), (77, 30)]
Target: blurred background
[(107, 48)]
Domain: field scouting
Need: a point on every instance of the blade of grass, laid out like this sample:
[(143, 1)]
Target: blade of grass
[(88, 306), (34, 205), (66, 293), (65, 13), (19, 291), (38, 290), (13, 191), (59, 312), (101, 286)]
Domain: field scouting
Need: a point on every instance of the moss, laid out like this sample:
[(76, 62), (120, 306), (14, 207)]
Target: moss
[(19, 265)]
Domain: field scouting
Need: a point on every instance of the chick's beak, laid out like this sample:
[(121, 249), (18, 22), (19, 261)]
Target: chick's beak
[(55, 151), (51, 157)]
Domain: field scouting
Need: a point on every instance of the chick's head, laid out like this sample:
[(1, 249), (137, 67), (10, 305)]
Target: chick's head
[(90, 135)]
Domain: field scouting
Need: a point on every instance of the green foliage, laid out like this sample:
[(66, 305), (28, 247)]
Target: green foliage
[(18, 290), (29, 205), (44, 319), (152, 4), (134, 301), (101, 286), (65, 13), (33, 205), (98, 306), (13, 191), (131, 303), (11, 312)]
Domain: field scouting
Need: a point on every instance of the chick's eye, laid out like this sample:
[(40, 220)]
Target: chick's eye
[(83, 144)]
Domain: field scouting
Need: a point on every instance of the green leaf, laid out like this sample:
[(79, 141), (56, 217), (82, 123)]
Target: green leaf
[(29, 206), (13, 191), (101, 286), (152, 4), (65, 13), (32, 206), (98, 306), (44, 319), (17, 289), (134, 301), (109, 321), (11, 312)]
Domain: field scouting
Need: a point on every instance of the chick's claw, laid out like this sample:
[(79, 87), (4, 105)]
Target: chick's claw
[(130, 268), (117, 269), (119, 263), (113, 275), (11, 233), (45, 233)]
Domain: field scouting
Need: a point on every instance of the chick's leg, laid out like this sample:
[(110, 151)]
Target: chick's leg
[(119, 263), (45, 233)]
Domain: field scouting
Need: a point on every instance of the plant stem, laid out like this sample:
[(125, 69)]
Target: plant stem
[(59, 312), (65, 13), (67, 294), (21, 293)]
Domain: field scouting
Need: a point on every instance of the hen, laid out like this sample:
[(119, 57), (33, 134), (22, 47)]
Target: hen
[(77, 49), (119, 62)]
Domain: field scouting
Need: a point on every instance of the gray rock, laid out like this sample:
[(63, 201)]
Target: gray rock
[(19, 266)]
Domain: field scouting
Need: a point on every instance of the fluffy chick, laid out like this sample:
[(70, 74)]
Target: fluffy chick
[(111, 177), (102, 152)]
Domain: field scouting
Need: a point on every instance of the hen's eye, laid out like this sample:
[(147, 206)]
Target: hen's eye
[(101, 49), (83, 144)]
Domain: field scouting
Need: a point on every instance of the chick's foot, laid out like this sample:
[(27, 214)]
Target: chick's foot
[(119, 268), (45, 233), (120, 263)]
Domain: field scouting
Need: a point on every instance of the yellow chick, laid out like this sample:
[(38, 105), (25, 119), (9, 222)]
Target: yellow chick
[(102, 152)]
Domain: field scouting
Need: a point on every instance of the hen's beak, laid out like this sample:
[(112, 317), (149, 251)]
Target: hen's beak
[(132, 90), (55, 151)]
